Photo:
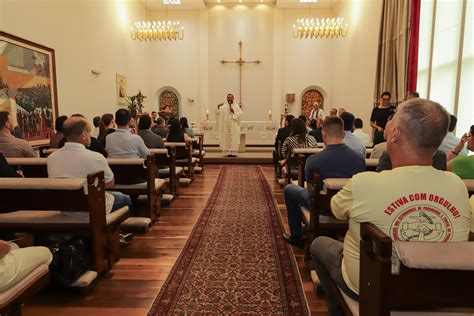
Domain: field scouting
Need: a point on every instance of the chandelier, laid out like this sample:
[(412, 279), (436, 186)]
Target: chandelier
[(158, 30), (316, 28)]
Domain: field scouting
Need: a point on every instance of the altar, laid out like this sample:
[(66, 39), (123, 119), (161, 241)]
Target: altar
[(252, 133)]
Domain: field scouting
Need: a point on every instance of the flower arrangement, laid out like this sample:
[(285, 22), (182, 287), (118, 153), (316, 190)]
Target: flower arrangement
[(135, 103)]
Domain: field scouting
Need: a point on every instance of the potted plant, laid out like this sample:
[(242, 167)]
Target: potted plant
[(135, 103)]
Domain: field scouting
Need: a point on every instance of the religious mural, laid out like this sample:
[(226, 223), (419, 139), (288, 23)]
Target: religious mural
[(28, 87), (168, 98), (309, 97)]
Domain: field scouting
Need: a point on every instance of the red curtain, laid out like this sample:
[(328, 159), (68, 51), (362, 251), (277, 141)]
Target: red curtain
[(412, 72)]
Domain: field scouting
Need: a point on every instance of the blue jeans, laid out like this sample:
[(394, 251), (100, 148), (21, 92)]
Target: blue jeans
[(294, 197), (120, 200), (327, 258)]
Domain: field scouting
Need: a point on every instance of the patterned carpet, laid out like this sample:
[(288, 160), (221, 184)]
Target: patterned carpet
[(235, 261)]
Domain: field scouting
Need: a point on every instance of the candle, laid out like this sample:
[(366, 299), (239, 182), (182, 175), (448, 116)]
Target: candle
[(270, 112), (207, 111)]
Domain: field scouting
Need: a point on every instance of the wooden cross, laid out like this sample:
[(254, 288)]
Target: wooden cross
[(240, 62)]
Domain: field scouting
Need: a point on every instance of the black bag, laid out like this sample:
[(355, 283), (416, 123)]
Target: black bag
[(70, 260)]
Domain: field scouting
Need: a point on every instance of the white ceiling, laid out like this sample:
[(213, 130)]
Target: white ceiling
[(201, 4)]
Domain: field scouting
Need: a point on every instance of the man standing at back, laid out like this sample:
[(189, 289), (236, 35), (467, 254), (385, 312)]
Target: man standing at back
[(228, 117), (411, 202), (122, 143)]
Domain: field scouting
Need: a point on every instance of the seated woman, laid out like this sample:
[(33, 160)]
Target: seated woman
[(176, 133), (58, 126), (106, 127), (298, 138), (16, 263), (184, 125), (463, 166)]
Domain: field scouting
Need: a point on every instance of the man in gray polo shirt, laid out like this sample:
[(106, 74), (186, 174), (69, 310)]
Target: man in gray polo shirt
[(122, 143)]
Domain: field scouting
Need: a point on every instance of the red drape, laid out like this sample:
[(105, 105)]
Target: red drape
[(412, 72)]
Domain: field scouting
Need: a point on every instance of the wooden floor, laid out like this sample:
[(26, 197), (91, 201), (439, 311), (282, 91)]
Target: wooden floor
[(135, 280)]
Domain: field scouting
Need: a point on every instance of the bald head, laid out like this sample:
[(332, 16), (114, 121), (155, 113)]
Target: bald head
[(76, 129)]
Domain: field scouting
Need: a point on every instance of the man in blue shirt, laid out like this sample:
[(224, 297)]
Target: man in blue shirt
[(350, 139), (122, 143), (337, 160)]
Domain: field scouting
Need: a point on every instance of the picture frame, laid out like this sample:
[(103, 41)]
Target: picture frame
[(121, 83), (28, 88)]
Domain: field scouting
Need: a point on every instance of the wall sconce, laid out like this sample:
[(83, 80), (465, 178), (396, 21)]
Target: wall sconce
[(190, 100), (95, 72)]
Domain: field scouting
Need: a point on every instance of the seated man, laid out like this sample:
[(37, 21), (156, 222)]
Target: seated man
[(411, 202), (336, 160), (16, 263), (73, 160), (10, 146), (451, 141), (359, 133), (151, 139), (463, 166), (122, 143), (350, 139), (160, 128)]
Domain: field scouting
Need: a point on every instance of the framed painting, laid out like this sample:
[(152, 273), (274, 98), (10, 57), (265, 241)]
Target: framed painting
[(121, 89), (28, 89)]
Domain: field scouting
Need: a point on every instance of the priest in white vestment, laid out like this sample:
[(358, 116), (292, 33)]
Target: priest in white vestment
[(228, 117)]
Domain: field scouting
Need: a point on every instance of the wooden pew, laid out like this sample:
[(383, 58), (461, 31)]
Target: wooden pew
[(165, 159), (184, 158), (41, 198), (199, 152), (31, 167), (411, 288), (12, 299), (136, 176)]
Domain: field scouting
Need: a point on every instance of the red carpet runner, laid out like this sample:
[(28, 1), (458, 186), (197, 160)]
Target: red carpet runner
[(235, 260)]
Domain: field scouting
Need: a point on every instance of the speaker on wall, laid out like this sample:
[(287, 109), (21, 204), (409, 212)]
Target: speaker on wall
[(290, 97)]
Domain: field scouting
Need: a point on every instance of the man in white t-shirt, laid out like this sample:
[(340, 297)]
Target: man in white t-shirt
[(411, 202), (359, 133), (73, 160)]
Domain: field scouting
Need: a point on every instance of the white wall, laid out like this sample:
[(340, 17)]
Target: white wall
[(86, 35), (355, 58), (93, 34)]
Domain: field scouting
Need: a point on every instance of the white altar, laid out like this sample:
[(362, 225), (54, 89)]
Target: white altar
[(253, 132)]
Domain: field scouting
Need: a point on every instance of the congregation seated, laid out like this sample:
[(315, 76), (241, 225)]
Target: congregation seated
[(56, 137), (16, 263), (359, 133), (463, 166), (350, 139), (106, 127), (176, 133), (411, 202), (298, 138), (451, 141), (184, 125), (73, 160), (150, 139), (10, 146), (122, 143), (94, 145), (336, 160)]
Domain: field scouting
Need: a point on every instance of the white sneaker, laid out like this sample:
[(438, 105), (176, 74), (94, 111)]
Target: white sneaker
[(126, 238)]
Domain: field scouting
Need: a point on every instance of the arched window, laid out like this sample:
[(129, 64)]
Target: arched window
[(168, 97)]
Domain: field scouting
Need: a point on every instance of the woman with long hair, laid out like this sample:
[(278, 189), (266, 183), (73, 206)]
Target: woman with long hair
[(106, 126), (176, 133), (298, 138), (184, 125)]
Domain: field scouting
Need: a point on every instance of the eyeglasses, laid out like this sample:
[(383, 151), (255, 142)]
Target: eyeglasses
[(384, 99)]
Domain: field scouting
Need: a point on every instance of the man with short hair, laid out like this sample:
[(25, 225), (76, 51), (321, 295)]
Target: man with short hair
[(349, 139), (359, 133), (73, 160), (150, 139), (122, 143), (336, 160), (451, 141), (228, 118), (160, 128), (411, 202), (10, 146)]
